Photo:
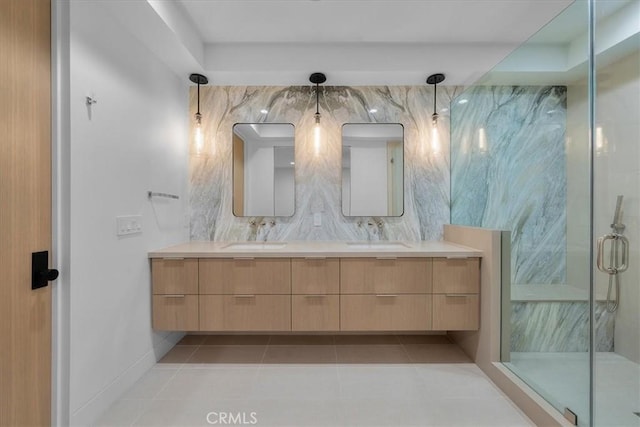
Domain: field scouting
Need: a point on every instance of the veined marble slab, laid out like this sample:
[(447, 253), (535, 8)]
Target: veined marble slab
[(508, 171), (559, 326), (318, 184)]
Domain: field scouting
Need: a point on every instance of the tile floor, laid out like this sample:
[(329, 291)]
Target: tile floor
[(315, 381), (563, 379)]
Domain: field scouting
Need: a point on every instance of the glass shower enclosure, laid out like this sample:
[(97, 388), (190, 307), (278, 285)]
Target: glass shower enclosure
[(547, 146)]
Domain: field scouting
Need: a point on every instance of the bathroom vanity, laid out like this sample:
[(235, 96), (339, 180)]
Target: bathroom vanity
[(316, 286)]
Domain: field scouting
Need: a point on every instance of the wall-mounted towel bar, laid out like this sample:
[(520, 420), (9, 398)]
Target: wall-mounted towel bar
[(152, 194)]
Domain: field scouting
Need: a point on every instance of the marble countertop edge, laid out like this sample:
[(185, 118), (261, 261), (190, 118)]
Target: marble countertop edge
[(316, 249)]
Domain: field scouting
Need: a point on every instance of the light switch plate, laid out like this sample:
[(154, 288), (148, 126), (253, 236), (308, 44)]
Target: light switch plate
[(130, 224), (317, 219)]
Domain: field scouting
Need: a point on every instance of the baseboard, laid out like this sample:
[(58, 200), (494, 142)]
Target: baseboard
[(89, 413)]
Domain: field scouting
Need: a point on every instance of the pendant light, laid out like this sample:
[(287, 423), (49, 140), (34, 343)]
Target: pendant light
[(434, 79), (317, 79), (199, 79)]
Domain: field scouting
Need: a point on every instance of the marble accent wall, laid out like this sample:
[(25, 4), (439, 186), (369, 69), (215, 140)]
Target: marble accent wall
[(318, 184), (508, 172), (542, 326)]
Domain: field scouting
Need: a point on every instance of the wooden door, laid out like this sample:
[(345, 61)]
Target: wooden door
[(25, 210)]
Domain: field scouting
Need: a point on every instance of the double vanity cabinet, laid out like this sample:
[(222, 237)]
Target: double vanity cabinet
[(316, 286)]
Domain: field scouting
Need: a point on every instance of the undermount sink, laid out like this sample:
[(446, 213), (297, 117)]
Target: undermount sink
[(255, 245), (377, 245)]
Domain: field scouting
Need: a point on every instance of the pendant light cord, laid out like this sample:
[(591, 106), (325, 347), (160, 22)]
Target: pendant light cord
[(198, 98), (435, 94), (317, 115)]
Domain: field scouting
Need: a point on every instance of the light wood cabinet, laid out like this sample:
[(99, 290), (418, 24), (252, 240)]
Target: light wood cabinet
[(245, 312), (385, 312), (174, 276), (456, 299), (315, 303), (175, 312), (456, 275), (316, 294), (315, 313), (245, 276), (456, 312), (175, 294), (385, 275), (315, 276)]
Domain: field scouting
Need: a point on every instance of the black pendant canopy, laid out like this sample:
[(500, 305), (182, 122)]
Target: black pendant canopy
[(435, 79), (199, 79), (317, 78)]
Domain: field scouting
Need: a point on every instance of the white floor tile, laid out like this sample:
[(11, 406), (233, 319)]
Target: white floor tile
[(209, 384), (183, 413), (150, 384), (384, 412), (380, 382), (295, 413), (376, 390), (123, 413), (496, 412), (297, 382)]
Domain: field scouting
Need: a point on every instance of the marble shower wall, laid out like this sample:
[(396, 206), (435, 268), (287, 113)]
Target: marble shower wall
[(508, 171), (318, 185), (562, 326)]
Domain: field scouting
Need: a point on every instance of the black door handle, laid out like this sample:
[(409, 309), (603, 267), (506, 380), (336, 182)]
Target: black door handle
[(41, 274)]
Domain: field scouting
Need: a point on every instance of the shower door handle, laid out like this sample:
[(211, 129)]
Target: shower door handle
[(600, 258), (625, 254), (615, 238)]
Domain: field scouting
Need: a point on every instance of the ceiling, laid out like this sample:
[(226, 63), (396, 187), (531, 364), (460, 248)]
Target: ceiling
[(358, 21), (354, 42)]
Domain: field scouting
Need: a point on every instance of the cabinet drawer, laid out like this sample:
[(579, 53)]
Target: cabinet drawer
[(385, 312), (456, 312), (245, 276), (315, 276), (245, 313), (456, 276), (174, 276), (377, 276), (175, 312), (315, 312)]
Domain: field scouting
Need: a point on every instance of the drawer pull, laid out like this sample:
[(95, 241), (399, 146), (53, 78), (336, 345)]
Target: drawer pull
[(456, 295), (173, 296), (386, 295), (315, 296), (247, 258), (244, 296), (389, 258), (173, 258), (315, 258), (457, 256)]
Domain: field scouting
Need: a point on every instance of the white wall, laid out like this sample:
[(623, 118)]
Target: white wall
[(617, 171), (133, 140), (258, 181), (578, 194), (369, 181)]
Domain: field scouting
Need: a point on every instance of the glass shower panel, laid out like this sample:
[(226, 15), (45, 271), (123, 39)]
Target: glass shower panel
[(616, 193), (520, 162)]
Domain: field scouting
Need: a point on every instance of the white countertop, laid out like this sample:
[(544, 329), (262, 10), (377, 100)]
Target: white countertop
[(310, 249)]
